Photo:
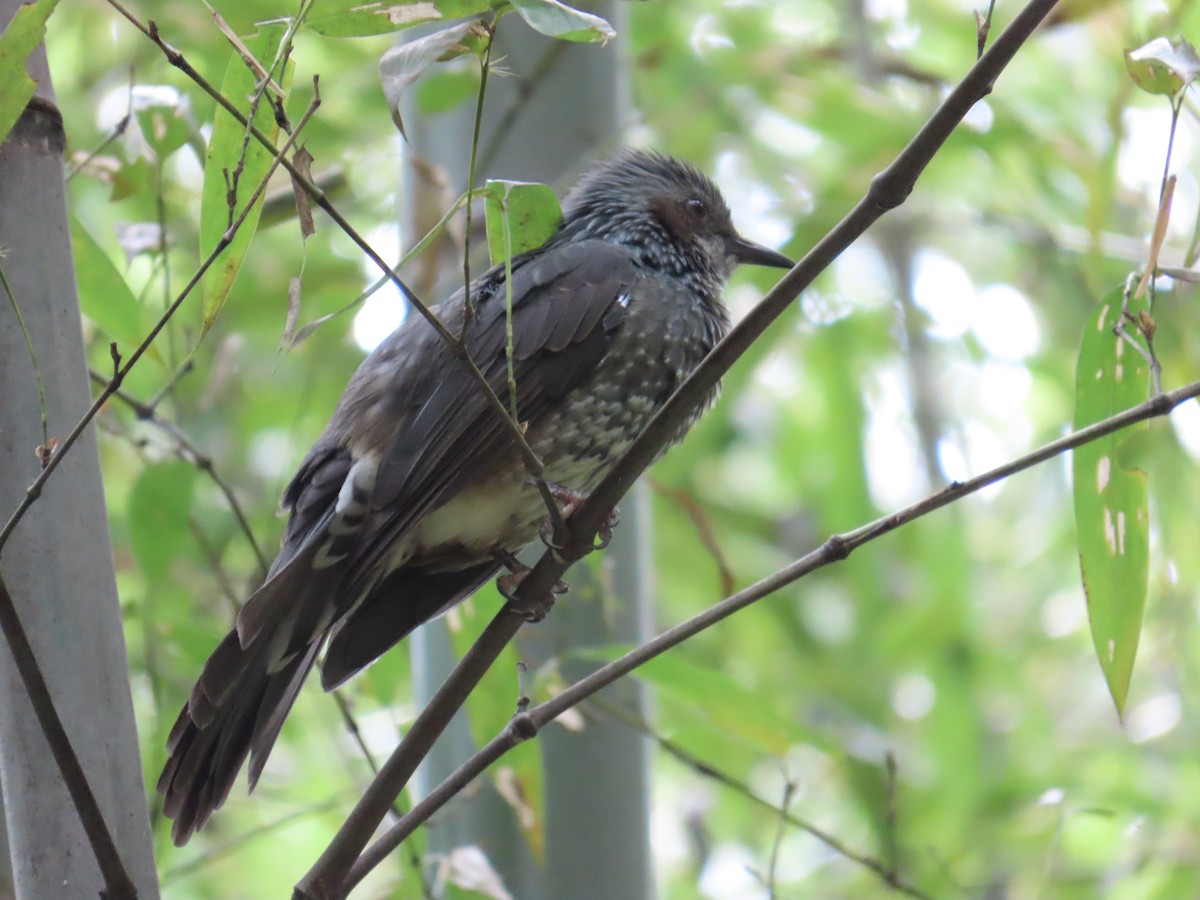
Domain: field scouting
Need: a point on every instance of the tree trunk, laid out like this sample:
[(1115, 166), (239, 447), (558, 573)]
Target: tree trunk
[(597, 780), (58, 563)]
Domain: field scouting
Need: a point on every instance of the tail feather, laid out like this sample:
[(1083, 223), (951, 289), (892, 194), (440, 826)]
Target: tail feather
[(406, 598), (235, 711)]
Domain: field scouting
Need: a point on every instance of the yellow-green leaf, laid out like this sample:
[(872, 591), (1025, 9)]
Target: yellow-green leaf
[(104, 295), (557, 20), (159, 506), (528, 211), (225, 151), (1111, 500), (1163, 66), (25, 31)]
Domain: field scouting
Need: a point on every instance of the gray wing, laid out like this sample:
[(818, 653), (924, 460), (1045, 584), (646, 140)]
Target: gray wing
[(411, 430), (421, 414)]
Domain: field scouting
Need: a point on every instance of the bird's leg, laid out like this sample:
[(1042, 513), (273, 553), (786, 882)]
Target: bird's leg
[(517, 571), (571, 500)]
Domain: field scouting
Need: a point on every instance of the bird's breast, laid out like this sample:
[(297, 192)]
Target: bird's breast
[(578, 438)]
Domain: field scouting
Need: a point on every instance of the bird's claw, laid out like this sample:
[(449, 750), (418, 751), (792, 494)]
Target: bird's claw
[(571, 500), (507, 586)]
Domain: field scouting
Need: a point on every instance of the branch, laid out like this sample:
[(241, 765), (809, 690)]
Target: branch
[(836, 548), (532, 463), (888, 190), (707, 770), (188, 451), (117, 883), (35, 490)]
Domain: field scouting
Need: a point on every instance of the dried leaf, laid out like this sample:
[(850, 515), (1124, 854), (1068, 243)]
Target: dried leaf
[(468, 868), (303, 161), (293, 313), (401, 66)]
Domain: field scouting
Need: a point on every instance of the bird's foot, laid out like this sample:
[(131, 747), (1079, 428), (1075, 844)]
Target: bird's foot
[(571, 500), (517, 572)]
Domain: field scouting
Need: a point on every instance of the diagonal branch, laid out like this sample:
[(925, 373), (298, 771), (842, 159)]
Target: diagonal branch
[(117, 883), (888, 190), (35, 490), (188, 451), (707, 770), (533, 464), (836, 548)]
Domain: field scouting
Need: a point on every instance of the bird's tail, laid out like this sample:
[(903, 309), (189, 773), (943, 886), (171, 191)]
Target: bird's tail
[(236, 710)]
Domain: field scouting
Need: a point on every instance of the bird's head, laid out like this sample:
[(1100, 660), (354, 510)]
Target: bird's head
[(670, 213)]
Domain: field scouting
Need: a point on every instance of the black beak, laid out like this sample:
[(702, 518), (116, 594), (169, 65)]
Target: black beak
[(745, 251)]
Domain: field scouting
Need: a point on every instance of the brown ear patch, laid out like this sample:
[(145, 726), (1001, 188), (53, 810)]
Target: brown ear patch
[(673, 217)]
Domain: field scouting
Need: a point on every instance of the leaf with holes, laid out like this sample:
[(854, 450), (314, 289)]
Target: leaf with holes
[(230, 155), (528, 211), (1111, 500)]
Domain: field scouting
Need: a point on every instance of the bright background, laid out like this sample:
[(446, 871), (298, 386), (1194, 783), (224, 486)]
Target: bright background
[(939, 346)]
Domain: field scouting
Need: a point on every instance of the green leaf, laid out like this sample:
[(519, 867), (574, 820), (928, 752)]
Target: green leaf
[(159, 505), (164, 126), (529, 211), (131, 179), (104, 295), (25, 31), (557, 20), (729, 706), (1163, 66), (224, 153), (1111, 501), (354, 18), (445, 90)]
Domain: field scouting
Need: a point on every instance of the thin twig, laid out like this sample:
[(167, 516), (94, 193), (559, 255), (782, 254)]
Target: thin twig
[(789, 791), (185, 449), (704, 529), (35, 490), (835, 549), (398, 810), (213, 558), (117, 130), (117, 883), (533, 465), (708, 770), (485, 66), (526, 85), (888, 189), (891, 847), (184, 368), (45, 450), (983, 26), (160, 212), (235, 843)]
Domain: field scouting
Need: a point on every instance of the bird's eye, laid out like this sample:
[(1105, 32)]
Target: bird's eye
[(697, 207)]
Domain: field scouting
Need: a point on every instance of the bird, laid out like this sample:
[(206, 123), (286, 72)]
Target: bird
[(416, 495)]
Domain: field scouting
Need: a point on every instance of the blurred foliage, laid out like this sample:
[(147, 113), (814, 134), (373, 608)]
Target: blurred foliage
[(942, 344)]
